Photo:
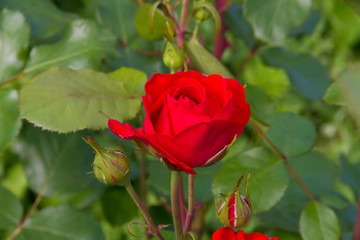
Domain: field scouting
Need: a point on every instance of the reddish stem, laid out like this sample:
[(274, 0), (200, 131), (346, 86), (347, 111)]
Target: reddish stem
[(356, 233)]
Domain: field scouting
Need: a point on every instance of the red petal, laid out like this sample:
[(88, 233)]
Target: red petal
[(125, 131), (255, 236), (156, 85), (197, 144), (224, 233)]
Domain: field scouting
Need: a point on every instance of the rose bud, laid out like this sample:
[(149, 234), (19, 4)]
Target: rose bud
[(172, 57), (110, 166), (191, 119), (233, 209), (226, 233), (201, 13)]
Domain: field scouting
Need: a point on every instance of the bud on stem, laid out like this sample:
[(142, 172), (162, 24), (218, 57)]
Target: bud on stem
[(110, 166)]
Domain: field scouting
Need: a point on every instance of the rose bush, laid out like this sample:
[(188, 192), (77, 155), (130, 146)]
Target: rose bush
[(226, 233), (191, 119)]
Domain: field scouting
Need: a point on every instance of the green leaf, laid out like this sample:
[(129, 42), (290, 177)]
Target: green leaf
[(45, 19), (83, 46), (114, 15), (151, 27), (61, 223), (10, 210), (238, 24), (268, 180), (306, 73), (333, 94), (205, 61), (273, 20), (350, 87), (317, 221), (56, 164), (354, 4), (318, 173), (66, 100), (292, 134), (118, 206), (14, 40), (131, 81), (9, 116), (261, 105)]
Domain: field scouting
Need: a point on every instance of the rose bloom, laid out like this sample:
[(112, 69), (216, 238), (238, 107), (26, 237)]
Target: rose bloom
[(226, 233), (191, 119)]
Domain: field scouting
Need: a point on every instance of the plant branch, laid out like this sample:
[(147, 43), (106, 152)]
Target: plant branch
[(12, 79), (28, 214), (150, 223), (285, 159), (190, 212), (182, 27), (253, 51), (175, 205)]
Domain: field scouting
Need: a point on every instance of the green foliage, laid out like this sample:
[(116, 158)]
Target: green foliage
[(306, 73), (291, 133), (205, 61), (273, 20), (9, 116), (151, 26), (45, 19), (317, 221), (15, 34), (69, 59), (61, 223), (268, 180), (78, 96), (83, 46), (10, 210), (55, 164)]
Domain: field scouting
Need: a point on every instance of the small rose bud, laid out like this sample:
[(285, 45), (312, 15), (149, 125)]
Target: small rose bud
[(233, 209), (110, 166), (172, 56), (202, 13)]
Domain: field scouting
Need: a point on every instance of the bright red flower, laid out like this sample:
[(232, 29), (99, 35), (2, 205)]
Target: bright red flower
[(226, 233), (191, 119)]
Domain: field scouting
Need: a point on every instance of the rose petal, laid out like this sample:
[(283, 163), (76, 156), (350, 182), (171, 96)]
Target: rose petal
[(223, 233), (125, 131), (156, 85), (182, 116), (203, 141), (255, 236)]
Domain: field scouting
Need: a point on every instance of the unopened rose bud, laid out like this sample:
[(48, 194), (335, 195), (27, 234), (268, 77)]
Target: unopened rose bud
[(202, 13), (234, 209), (110, 166), (172, 56)]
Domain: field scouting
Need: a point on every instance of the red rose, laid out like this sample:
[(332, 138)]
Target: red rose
[(191, 119), (226, 233)]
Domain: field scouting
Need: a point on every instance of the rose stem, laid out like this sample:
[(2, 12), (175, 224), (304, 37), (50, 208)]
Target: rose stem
[(285, 159), (175, 207), (182, 202), (253, 51), (181, 30), (31, 210), (190, 204), (356, 233), (153, 229)]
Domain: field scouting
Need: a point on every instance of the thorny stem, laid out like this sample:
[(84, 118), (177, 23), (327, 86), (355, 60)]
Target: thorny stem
[(175, 206), (190, 212), (153, 229), (21, 224), (285, 159), (182, 27)]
